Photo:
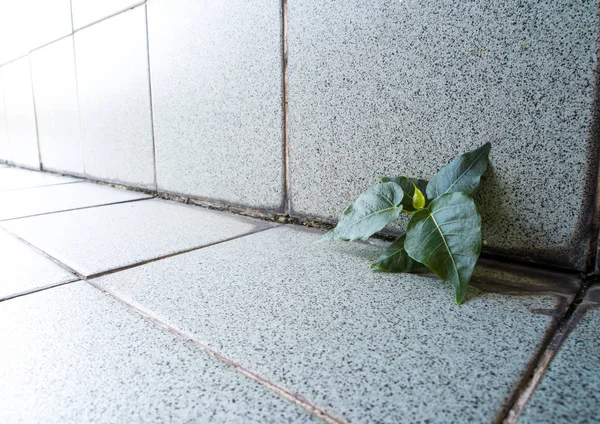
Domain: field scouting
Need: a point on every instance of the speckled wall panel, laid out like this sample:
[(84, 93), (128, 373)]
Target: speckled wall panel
[(20, 113), (216, 70), (386, 88), (111, 59), (4, 146), (57, 107)]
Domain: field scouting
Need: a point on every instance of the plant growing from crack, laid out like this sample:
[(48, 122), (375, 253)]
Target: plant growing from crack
[(444, 231)]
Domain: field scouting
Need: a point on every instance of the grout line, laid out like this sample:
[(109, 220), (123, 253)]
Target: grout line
[(170, 255), (150, 95), (287, 207), (141, 3), (2, 191), (71, 10), (37, 130), (15, 59), (312, 409), (38, 289), (74, 209), (547, 352), (46, 255), (50, 42), (306, 221)]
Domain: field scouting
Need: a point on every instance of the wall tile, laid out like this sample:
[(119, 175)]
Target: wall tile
[(4, 146), (20, 114), (114, 99), (55, 91), (403, 87), (217, 99), (86, 12)]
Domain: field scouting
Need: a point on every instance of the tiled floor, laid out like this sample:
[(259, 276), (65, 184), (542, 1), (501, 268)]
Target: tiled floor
[(115, 307)]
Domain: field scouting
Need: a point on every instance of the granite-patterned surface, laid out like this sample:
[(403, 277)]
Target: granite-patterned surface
[(364, 346), (4, 143), (16, 178), (20, 113), (86, 12), (385, 88), (570, 389), (216, 71), (103, 238), (57, 107), (114, 99), (87, 358), (24, 270), (62, 197)]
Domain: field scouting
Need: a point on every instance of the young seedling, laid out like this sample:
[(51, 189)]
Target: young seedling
[(444, 231)]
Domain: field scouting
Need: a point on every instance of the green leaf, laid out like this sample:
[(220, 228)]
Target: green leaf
[(461, 175), (418, 200), (394, 258), (373, 210), (408, 186), (446, 237)]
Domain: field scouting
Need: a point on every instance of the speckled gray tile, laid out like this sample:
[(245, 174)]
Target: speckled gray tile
[(104, 238), (25, 270), (86, 12), (217, 99), (570, 389), (20, 113), (114, 99), (16, 178), (73, 354), (403, 87), (4, 146), (55, 91), (366, 347), (61, 197)]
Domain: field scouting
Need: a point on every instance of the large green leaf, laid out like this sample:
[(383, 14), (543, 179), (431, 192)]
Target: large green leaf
[(410, 186), (373, 210), (446, 237), (394, 258), (461, 175)]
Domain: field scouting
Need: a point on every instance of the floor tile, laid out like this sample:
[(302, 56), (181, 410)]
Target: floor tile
[(57, 107), (371, 347), (15, 178), (218, 125), (24, 270), (73, 354), (40, 200), (104, 238), (114, 99), (570, 389)]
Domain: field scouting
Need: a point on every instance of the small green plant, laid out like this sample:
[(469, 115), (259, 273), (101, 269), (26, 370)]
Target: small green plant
[(444, 231)]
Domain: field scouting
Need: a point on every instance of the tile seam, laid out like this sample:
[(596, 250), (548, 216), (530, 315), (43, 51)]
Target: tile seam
[(39, 289), (73, 209), (170, 255), (543, 359), (312, 409), (287, 207), (150, 97), (35, 117)]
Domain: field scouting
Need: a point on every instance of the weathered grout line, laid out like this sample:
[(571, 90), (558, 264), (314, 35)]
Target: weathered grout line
[(35, 114), (39, 289), (46, 255), (150, 96), (170, 255), (281, 218), (287, 207), (75, 209), (312, 409), (543, 359)]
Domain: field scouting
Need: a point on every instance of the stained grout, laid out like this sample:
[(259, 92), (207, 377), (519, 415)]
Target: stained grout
[(287, 207), (39, 289), (548, 351), (312, 409)]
